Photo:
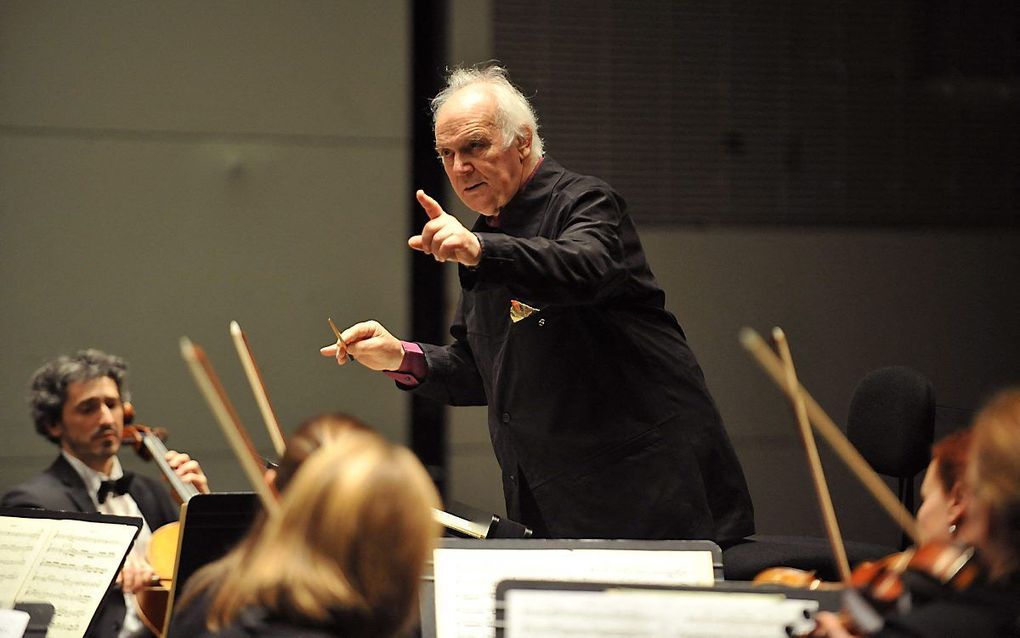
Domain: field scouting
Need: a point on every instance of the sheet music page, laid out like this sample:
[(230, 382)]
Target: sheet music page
[(466, 579), (72, 566), (21, 541), (538, 613)]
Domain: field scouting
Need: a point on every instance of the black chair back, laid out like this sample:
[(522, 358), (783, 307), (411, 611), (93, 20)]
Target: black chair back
[(892, 424)]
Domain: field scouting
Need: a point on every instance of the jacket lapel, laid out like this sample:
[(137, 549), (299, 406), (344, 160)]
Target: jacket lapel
[(74, 486)]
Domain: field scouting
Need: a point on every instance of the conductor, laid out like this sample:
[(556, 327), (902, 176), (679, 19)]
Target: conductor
[(598, 411)]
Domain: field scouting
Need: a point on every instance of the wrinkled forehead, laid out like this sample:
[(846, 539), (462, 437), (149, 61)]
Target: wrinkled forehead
[(469, 110)]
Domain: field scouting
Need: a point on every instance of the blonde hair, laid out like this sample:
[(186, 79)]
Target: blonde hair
[(994, 469), (348, 546), (311, 434)]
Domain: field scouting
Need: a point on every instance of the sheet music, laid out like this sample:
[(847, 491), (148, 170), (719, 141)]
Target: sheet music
[(68, 563), (21, 541), (543, 613), (465, 580)]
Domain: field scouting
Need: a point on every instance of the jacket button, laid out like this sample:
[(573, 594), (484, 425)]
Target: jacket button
[(541, 322), (506, 417)]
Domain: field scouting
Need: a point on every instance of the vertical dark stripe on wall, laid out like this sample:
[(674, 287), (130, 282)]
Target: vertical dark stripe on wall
[(428, 300)]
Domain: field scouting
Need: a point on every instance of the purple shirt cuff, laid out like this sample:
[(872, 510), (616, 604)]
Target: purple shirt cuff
[(413, 368)]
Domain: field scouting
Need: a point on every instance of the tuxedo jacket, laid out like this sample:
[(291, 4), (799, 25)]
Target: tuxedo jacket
[(60, 488)]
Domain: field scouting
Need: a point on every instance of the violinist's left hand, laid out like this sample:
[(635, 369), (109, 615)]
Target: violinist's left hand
[(829, 625), (188, 469)]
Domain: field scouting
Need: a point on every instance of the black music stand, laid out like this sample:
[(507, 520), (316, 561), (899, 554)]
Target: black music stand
[(39, 617), (211, 525)]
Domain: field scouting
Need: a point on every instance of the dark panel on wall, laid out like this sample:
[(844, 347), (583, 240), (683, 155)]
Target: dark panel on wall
[(428, 418), (874, 112)]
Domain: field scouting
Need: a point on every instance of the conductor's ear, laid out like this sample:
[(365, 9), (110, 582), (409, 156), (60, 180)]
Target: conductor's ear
[(524, 145)]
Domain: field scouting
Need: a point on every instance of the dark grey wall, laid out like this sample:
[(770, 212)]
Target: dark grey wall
[(942, 302), (167, 168)]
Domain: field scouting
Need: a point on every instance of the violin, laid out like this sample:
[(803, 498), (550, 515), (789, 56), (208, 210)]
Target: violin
[(946, 566), (794, 578), (162, 551)]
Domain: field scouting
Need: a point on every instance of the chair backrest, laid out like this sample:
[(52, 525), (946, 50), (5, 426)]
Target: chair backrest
[(892, 420)]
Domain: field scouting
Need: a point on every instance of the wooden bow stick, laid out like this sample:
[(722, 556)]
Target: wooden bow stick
[(209, 384), (814, 461), (258, 388), (825, 426)]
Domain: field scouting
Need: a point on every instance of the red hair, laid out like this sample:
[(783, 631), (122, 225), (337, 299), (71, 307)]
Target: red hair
[(951, 454)]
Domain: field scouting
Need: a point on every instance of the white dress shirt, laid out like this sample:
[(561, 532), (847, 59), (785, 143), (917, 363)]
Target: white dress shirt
[(119, 505)]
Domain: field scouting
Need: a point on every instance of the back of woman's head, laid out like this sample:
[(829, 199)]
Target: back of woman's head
[(309, 436), (994, 468), (349, 545)]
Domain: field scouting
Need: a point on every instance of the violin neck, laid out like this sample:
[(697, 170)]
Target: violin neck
[(158, 451)]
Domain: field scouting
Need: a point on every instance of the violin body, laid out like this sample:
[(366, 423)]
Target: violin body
[(889, 584), (793, 577), (885, 583), (151, 602)]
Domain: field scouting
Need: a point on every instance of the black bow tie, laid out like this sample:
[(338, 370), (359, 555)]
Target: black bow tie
[(120, 486)]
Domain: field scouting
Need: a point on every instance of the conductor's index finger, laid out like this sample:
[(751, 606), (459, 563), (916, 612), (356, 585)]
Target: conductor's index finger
[(431, 206)]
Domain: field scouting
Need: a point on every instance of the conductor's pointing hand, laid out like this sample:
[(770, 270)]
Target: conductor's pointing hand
[(444, 237), (372, 344)]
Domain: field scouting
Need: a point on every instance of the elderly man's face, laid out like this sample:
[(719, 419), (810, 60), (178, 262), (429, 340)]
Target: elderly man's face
[(485, 172)]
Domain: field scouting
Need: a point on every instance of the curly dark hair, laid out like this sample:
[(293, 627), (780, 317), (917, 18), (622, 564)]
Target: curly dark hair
[(48, 387)]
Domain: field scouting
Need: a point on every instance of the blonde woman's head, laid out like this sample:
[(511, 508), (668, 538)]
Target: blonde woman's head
[(349, 545)]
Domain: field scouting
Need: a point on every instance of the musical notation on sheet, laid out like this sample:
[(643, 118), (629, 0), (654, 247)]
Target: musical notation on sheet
[(559, 613), (68, 563), (465, 580)]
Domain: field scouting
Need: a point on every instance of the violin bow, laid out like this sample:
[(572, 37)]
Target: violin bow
[(209, 384), (814, 461), (825, 426), (258, 388)]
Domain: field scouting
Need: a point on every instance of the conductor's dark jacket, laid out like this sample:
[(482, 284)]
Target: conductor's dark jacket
[(60, 488), (597, 409)]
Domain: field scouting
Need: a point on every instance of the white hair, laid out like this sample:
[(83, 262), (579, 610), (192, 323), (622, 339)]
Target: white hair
[(514, 115)]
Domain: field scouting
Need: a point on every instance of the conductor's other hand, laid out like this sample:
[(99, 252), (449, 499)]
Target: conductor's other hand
[(444, 237), (371, 344)]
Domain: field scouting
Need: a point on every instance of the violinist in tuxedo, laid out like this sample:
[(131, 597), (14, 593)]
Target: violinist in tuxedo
[(79, 403)]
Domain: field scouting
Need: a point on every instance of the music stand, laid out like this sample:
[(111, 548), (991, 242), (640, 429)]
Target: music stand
[(47, 549), (211, 525)]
